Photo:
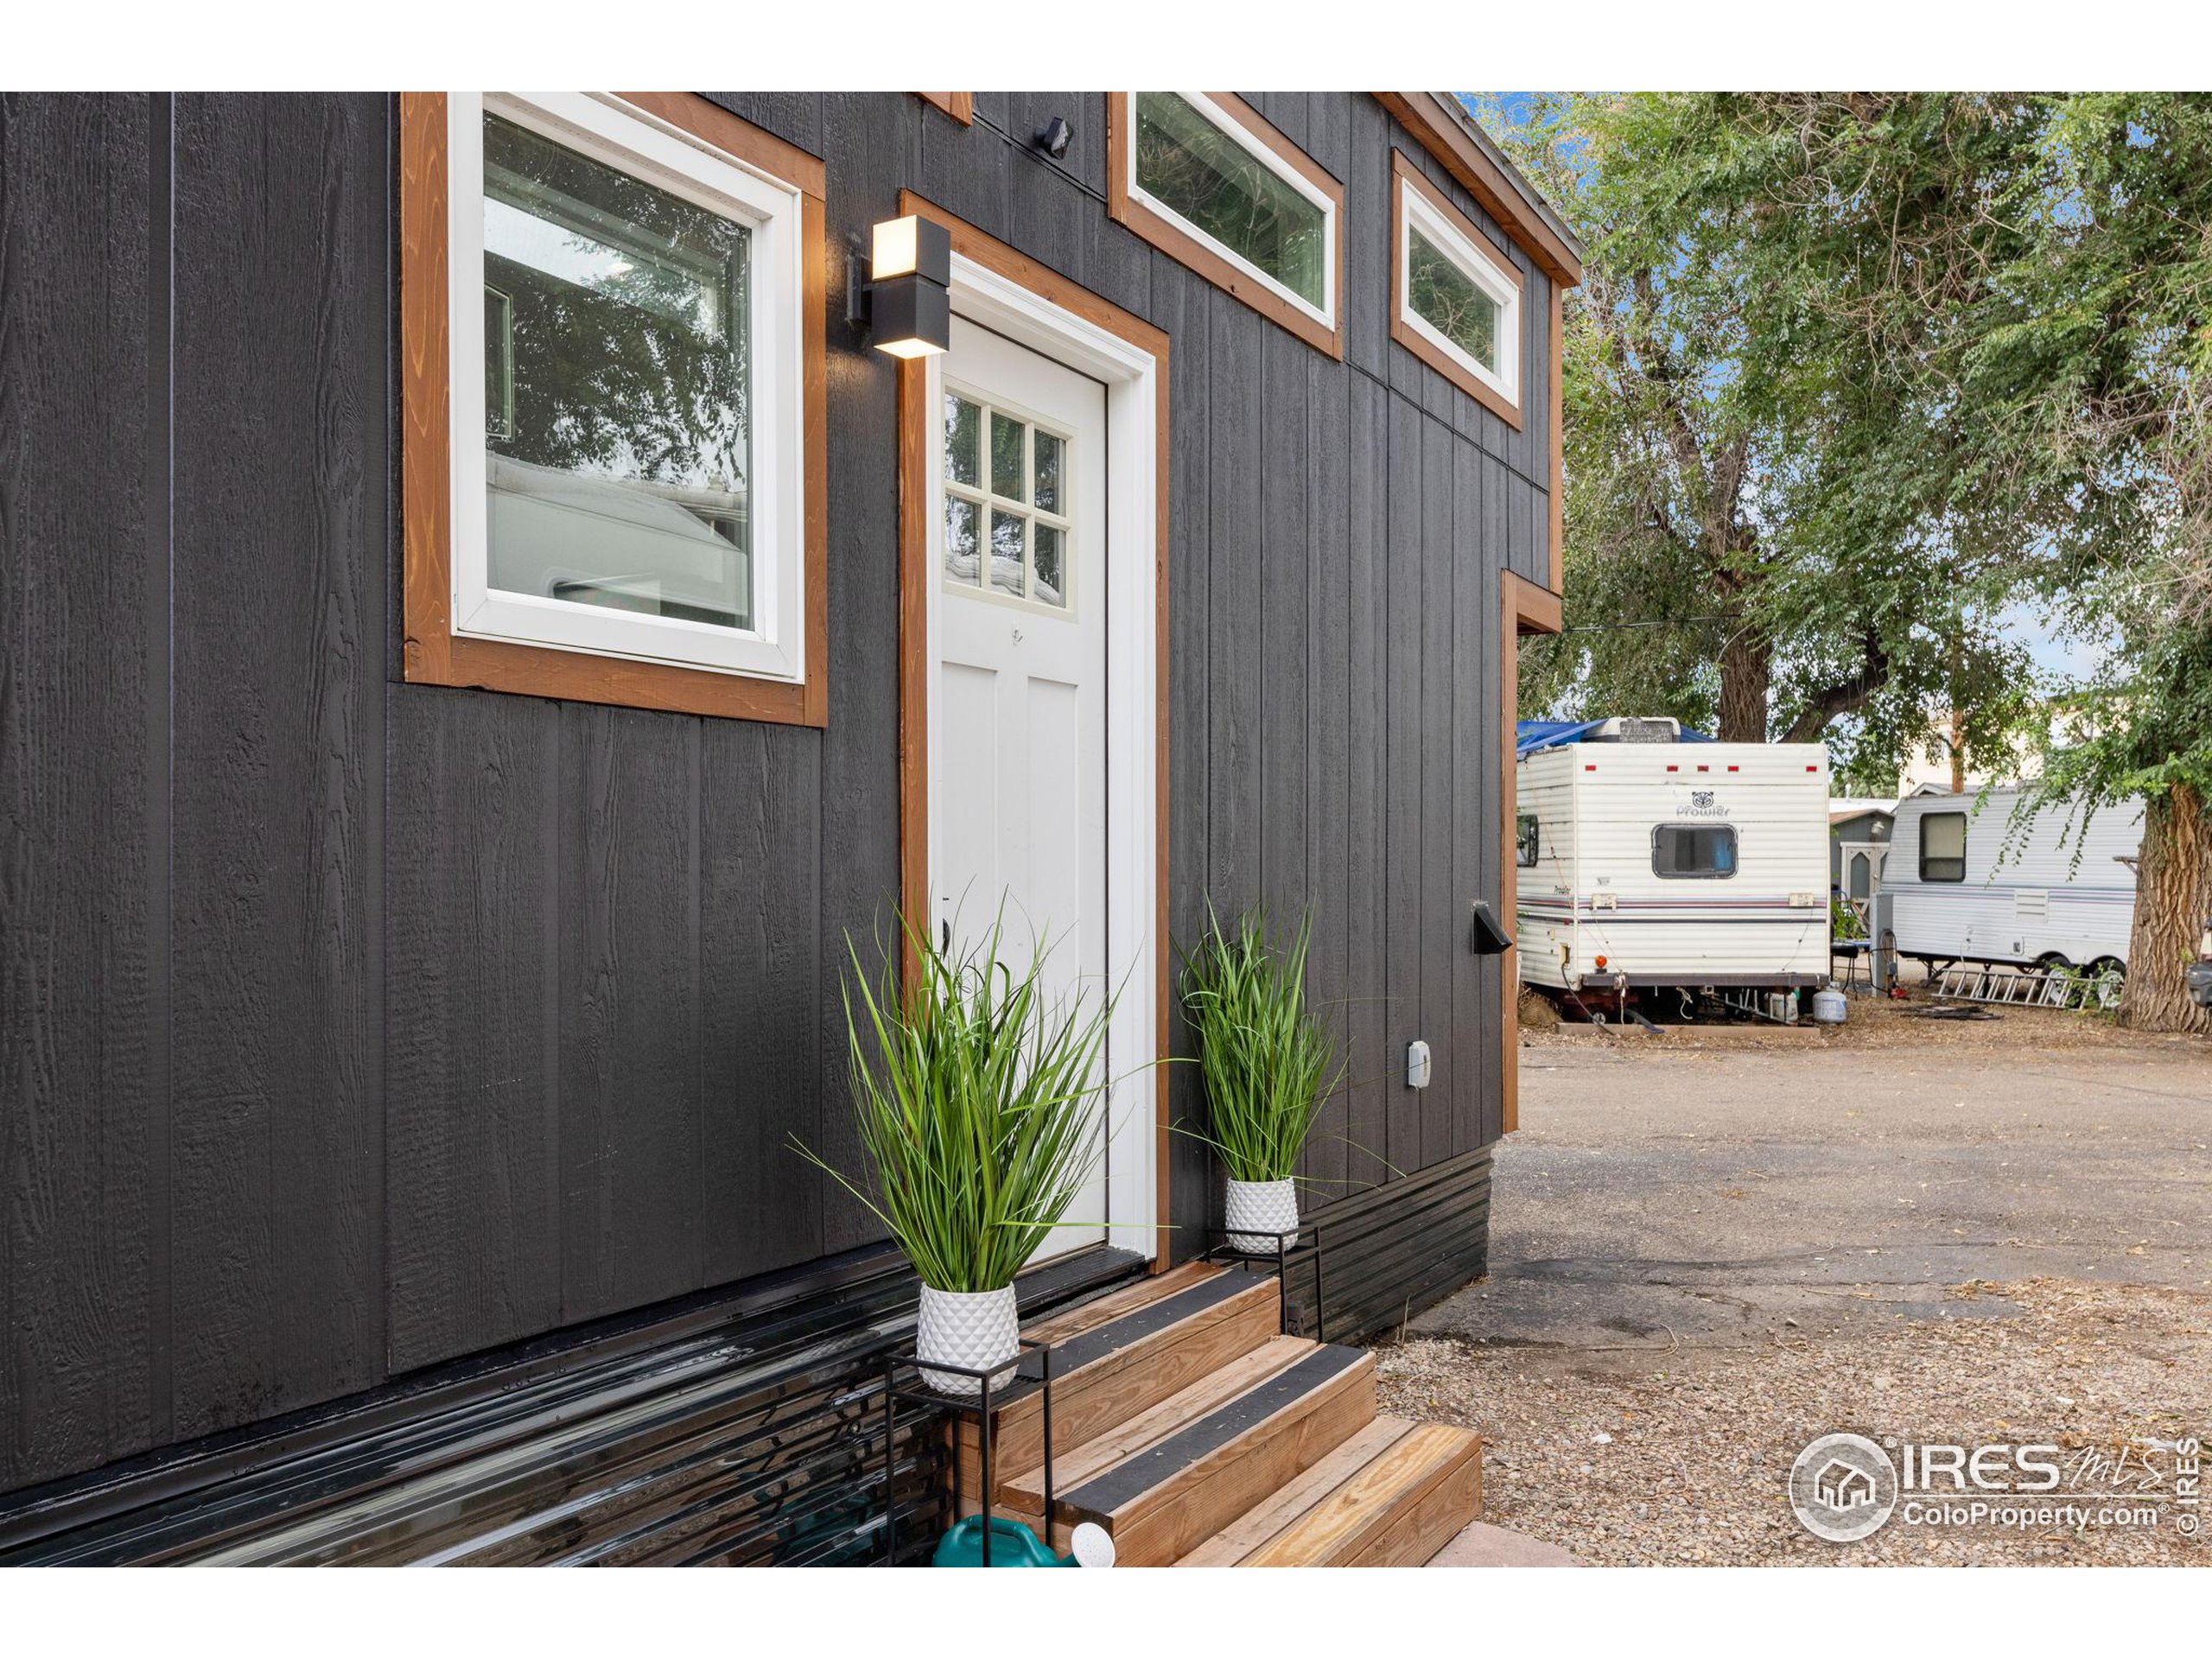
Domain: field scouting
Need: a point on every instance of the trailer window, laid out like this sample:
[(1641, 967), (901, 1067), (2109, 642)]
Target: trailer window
[(1525, 841), (1943, 847), (1693, 851)]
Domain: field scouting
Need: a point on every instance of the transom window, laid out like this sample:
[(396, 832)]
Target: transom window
[(626, 320), (1693, 851), (1008, 525), (1205, 178), (1458, 296), (1943, 847)]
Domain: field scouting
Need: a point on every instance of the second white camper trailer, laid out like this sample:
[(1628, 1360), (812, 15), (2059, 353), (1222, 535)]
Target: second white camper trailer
[(1651, 859), (1968, 884)]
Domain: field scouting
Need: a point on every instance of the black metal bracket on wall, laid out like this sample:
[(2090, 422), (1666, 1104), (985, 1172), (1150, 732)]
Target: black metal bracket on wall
[(983, 1408)]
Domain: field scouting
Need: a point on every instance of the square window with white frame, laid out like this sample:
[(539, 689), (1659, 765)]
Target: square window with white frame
[(626, 388), (1456, 296)]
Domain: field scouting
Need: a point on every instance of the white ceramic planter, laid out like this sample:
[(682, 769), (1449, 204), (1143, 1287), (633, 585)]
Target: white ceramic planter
[(969, 1328), (1269, 1207)]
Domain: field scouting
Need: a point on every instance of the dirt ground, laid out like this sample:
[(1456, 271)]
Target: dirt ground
[(1713, 1246)]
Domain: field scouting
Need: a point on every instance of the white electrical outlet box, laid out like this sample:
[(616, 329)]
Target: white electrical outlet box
[(1417, 1066)]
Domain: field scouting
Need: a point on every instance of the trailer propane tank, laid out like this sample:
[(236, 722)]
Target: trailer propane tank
[(1829, 1008)]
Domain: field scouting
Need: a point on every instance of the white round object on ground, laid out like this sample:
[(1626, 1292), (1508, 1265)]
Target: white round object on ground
[(1091, 1545), (1829, 1008)]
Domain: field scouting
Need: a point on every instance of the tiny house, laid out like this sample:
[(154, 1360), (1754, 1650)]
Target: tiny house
[(503, 596), (1970, 881), (1654, 859)]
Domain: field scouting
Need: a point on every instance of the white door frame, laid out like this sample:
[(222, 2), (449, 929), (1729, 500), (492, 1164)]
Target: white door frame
[(1133, 563)]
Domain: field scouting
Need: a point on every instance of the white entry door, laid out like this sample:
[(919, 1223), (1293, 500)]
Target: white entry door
[(1018, 755)]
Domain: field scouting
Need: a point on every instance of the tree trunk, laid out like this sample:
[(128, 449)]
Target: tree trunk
[(2173, 895), (1746, 668)]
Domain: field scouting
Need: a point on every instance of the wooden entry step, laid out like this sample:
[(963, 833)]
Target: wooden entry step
[(1116, 1358), (1196, 1435), (1391, 1495)]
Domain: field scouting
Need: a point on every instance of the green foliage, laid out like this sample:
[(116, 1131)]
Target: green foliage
[(1843, 920), (1265, 1058), (979, 1101)]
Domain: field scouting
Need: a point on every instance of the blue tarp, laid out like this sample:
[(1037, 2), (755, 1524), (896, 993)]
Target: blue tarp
[(1532, 736)]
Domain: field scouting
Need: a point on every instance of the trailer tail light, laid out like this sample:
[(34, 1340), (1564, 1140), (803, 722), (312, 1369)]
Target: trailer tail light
[(1705, 768), (1812, 768), (1589, 766), (1601, 964), (1674, 768), (1735, 768)]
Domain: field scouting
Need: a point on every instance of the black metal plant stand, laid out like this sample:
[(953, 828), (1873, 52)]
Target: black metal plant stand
[(1287, 1248), (981, 1406)]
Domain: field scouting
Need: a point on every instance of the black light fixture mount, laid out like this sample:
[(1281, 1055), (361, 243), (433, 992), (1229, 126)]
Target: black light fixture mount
[(1485, 937), (905, 305), (1054, 136)]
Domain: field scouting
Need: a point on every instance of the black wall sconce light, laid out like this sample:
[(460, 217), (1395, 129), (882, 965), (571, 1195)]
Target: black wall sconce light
[(905, 304)]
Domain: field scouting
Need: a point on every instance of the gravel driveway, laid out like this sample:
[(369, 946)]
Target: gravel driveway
[(1709, 1248)]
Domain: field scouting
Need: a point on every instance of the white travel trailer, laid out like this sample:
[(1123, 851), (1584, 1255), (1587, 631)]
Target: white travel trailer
[(1652, 859), (1967, 884)]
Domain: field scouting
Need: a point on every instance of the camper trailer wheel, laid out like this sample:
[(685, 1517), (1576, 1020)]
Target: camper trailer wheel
[(2111, 976), (2051, 961)]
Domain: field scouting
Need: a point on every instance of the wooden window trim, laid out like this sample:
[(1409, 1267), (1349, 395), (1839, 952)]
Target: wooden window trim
[(1406, 176), (1177, 244), (431, 653), (960, 106), (1524, 609), (916, 573), (1557, 537)]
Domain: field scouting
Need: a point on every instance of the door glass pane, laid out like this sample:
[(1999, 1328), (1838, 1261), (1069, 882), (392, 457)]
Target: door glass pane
[(618, 446), (1200, 173), (963, 560), (1451, 301), (1052, 557), (1006, 458), (1006, 552), (963, 441), (1051, 460)]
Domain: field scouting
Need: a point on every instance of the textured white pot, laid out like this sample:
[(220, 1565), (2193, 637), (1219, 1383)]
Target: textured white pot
[(969, 1328), (1271, 1207)]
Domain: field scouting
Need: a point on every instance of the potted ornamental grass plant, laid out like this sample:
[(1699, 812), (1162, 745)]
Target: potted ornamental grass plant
[(1266, 1064), (979, 1097)]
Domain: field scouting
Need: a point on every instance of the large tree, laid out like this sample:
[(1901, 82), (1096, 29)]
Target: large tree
[(1756, 542), (1860, 370)]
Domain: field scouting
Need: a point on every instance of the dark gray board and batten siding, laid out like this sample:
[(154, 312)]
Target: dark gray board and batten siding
[(348, 1027)]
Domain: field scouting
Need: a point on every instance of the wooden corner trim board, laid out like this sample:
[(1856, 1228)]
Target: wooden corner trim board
[(1404, 177), (961, 106), (1558, 537), (915, 575), (1180, 246), (431, 653), (1524, 609), (1438, 131)]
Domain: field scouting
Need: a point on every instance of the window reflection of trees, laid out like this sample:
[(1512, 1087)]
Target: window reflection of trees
[(1451, 301), (632, 362), (1186, 162)]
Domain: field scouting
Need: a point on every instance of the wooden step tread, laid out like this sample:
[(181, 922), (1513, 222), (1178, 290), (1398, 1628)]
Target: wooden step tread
[(1121, 1368), (1160, 1501), (1025, 1491), (1405, 1501), (1265, 1519), (1058, 1327)]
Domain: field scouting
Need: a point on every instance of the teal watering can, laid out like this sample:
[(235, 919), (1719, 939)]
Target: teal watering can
[(1014, 1545)]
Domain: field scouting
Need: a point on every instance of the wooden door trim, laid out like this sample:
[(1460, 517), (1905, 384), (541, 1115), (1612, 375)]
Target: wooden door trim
[(915, 575), (1525, 607)]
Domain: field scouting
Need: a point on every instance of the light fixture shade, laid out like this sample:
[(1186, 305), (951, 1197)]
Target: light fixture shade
[(911, 246), (912, 316)]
